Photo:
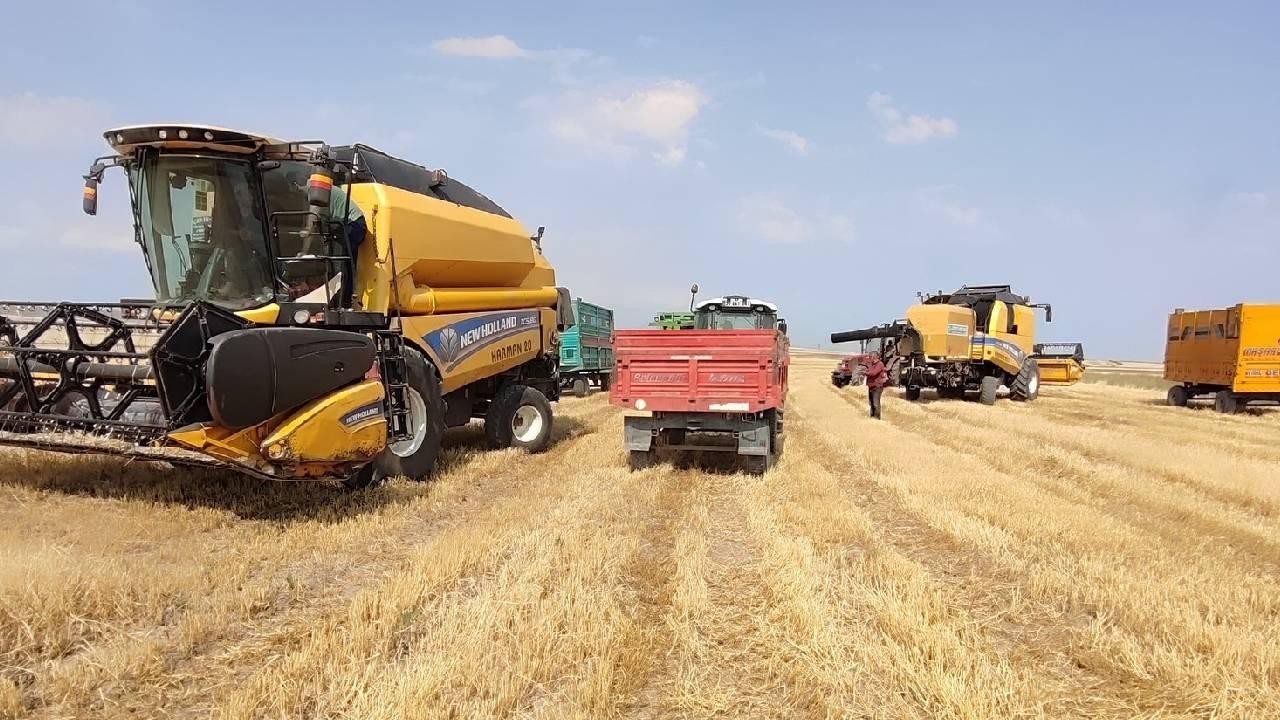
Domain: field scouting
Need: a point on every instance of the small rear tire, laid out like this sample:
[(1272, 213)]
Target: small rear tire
[(1226, 402), (519, 417), (988, 389), (912, 393), (1177, 396), (580, 386), (641, 459)]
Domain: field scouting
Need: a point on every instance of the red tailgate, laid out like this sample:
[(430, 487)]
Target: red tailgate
[(699, 370)]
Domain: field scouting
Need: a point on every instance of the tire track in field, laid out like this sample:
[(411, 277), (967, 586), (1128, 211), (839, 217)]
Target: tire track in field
[(1037, 639), (130, 678), (716, 663), (1167, 424), (1070, 478), (1167, 627)]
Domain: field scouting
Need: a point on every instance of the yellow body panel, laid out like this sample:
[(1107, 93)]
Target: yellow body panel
[(944, 330), (344, 426), (1236, 347), (1060, 371), (468, 347), (447, 257)]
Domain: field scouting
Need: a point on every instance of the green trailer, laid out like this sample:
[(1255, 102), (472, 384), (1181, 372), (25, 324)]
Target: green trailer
[(586, 349), (673, 321)]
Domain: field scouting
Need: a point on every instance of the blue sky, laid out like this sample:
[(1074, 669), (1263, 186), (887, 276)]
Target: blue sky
[(836, 158)]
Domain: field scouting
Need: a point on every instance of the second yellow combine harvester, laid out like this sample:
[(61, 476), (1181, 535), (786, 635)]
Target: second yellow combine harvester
[(973, 340), (298, 331)]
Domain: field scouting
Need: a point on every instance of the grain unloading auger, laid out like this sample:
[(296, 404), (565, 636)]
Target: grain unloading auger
[(291, 337)]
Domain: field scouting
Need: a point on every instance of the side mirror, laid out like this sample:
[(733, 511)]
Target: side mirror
[(91, 196), (782, 326), (693, 293)]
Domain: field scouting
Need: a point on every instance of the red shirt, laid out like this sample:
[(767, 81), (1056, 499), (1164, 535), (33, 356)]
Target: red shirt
[(876, 375)]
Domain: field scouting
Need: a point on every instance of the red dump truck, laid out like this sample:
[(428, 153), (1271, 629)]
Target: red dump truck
[(726, 376)]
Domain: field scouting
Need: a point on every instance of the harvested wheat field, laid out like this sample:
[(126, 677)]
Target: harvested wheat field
[(1092, 554)]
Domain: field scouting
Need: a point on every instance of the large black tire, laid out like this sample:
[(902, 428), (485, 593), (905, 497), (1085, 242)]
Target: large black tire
[(641, 459), (519, 417), (1226, 402), (839, 381), (912, 393), (580, 386), (414, 458), (1178, 396), (987, 390), (1026, 386)]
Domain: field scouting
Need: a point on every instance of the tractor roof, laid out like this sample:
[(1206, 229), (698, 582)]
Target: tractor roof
[(749, 302)]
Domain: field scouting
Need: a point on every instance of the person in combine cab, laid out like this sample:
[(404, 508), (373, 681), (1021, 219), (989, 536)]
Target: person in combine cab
[(877, 376)]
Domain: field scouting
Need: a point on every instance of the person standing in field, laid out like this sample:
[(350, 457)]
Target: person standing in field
[(877, 376)]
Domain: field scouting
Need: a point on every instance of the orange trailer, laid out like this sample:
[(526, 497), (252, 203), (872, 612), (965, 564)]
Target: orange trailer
[(1232, 354)]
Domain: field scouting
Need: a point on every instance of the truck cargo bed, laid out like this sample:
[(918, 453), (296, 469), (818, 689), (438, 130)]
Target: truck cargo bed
[(729, 371)]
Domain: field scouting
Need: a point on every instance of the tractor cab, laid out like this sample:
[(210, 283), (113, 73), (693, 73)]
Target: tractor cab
[(235, 219), (737, 312)]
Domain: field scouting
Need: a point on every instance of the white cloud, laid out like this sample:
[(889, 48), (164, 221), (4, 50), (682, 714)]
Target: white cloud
[(911, 129), (495, 47), (962, 215), (940, 200), (656, 118), (794, 141), (30, 119), (768, 217), (1259, 200)]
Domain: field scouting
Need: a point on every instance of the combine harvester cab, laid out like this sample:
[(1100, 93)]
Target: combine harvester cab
[(289, 337)]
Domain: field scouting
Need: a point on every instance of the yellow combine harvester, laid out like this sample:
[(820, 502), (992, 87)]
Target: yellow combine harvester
[(973, 340), (298, 331), (1232, 354)]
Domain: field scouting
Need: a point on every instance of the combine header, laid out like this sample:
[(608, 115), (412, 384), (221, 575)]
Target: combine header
[(290, 336)]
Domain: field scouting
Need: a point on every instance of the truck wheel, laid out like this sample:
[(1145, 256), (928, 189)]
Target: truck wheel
[(1026, 386), (580, 386), (415, 456), (912, 393), (1177, 396), (988, 389), (519, 417), (641, 459), (1226, 402)]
